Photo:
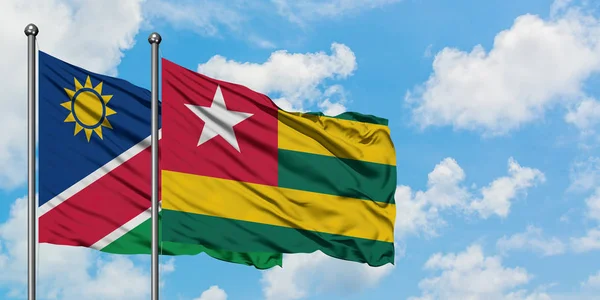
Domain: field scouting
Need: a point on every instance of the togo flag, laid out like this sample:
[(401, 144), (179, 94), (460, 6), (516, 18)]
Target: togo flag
[(94, 166), (240, 174)]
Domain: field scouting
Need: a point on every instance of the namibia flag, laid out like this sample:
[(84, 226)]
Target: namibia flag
[(94, 166)]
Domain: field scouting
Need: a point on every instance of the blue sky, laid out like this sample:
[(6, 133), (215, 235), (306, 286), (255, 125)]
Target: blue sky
[(492, 108)]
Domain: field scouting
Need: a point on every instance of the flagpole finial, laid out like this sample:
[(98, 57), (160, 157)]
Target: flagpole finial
[(31, 29), (154, 38)]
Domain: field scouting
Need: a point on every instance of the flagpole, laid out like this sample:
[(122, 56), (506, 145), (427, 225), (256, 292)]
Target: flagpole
[(154, 39), (31, 32)]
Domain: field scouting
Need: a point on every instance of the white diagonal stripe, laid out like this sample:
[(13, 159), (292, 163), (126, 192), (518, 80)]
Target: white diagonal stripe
[(92, 177), (121, 231)]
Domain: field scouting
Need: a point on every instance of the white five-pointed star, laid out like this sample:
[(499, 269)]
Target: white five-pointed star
[(218, 120)]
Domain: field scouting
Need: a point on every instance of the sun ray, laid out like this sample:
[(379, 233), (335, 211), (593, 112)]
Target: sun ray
[(70, 93), (88, 133), (98, 131), (98, 89), (78, 85), (70, 118), (78, 128), (66, 105), (88, 83), (106, 124), (110, 111), (106, 98)]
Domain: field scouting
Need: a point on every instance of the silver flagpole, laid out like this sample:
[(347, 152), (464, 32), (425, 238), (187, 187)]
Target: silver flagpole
[(31, 32), (154, 39)]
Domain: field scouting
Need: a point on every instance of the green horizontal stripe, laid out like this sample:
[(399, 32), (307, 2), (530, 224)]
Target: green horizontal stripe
[(242, 236), (336, 176), (355, 116), (138, 241)]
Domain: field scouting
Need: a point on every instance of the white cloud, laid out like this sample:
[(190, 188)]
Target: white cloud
[(472, 275), (213, 293), (420, 211), (117, 278), (428, 52), (297, 79), (84, 274), (593, 205), (559, 6), (593, 282), (532, 239), (331, 109), (533, 66), (497, 196), (261, 42), (334, 100), (301, 11), (305, 274), (76, 31), (589, 242), (585, 175), (585, 116), (202, 16), (168, 266), (213, 18), (524, 295)]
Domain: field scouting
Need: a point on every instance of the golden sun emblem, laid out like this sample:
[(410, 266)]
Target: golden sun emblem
[(88, 108)]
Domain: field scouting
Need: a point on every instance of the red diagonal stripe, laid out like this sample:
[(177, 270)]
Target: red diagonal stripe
[(101, 207)]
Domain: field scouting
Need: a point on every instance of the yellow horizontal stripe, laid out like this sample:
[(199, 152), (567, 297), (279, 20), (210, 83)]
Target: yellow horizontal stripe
[(278, 206), (336, 137)]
